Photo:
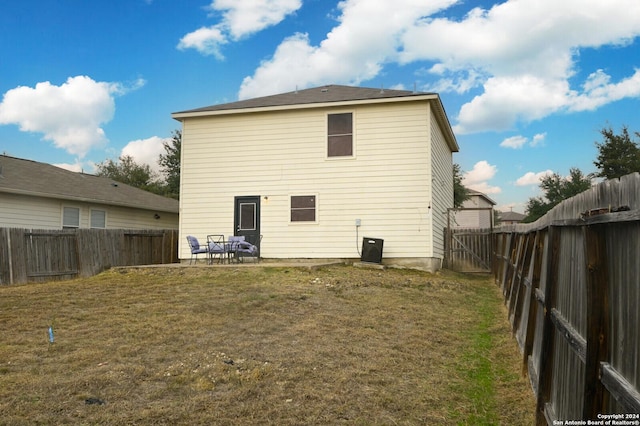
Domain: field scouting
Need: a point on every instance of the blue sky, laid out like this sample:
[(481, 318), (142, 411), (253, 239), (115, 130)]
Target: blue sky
[(527, 84)]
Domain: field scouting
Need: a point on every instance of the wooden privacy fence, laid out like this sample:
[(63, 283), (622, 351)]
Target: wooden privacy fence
[(571, 283), (468, 249), (43, 255)]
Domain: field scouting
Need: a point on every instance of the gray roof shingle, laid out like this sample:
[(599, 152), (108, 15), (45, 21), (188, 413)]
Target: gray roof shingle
[(27, 177), (512, 216), (323, 94)]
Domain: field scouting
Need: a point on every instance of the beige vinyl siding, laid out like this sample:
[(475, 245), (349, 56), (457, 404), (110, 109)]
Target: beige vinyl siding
[(124, 218), (276, 155), (21, 211), (473, 218), (442, 163)]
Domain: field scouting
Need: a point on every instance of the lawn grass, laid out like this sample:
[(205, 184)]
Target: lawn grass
[(281, 346)]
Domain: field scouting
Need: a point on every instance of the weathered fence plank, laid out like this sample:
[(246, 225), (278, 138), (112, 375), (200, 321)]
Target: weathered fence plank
[(571, 282), (597, 317), (469, 249), (42, 255)]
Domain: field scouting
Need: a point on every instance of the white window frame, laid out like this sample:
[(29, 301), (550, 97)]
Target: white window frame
[(353, 136), (317, 209)]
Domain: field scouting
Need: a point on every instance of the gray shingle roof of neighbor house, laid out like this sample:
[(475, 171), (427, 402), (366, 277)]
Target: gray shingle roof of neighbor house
[(27, 177), (324, 96), (511, 216)]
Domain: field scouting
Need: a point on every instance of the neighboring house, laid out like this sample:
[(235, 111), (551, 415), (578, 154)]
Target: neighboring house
[(511, 218), (316, 170), (476, 212), (41, 196)]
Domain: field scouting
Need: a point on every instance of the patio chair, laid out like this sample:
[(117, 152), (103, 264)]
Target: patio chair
[(217, 247), (196, 248), (240, 248)]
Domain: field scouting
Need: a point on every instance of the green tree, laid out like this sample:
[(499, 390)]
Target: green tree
[(127, 171), (618, 155), (535, 209), (497, 219), (460, 193), (556, 189), (170, 164)]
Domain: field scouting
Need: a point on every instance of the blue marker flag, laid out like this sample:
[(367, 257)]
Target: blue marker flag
[(50, 334)]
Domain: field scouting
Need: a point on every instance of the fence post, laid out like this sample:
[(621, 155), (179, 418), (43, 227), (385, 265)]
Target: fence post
[(533, 303), (508, 264), (544, 414), (518, 303), (10, 256), (597, 320), (448, 249)]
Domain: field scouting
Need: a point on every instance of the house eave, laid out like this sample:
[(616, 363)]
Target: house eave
[(206, 113), (445, 125), (77, 199)]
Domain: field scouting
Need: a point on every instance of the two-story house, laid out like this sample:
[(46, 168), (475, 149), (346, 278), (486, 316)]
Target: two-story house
[(314, 171)]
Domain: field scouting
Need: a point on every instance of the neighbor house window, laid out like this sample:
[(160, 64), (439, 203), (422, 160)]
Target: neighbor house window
[(340, 135), (303, 208), (98, 219), (70, 217)]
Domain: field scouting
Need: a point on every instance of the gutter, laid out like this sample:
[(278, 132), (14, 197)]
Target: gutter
[(85, 200), (206, 113)]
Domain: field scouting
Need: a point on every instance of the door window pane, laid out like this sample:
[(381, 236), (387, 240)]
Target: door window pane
[(247, 216)]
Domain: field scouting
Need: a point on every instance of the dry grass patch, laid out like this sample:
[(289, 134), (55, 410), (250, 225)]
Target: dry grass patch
[(283, 346)]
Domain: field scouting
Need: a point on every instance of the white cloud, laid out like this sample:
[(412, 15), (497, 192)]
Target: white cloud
[(531, 178), (515, 142), (146, 151), (478, 177), (518, 142), (245, 17), (485, 188), (481, 171), (519, 55), (598, 91), (206, 40), (528, 49), (365, 39), (240, 18), (69, 115), (538, 139), (507, 100), (462, 82), (75, 167)]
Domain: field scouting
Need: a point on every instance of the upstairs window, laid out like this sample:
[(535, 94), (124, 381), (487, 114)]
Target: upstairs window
[(340, 135), (303, 208)]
